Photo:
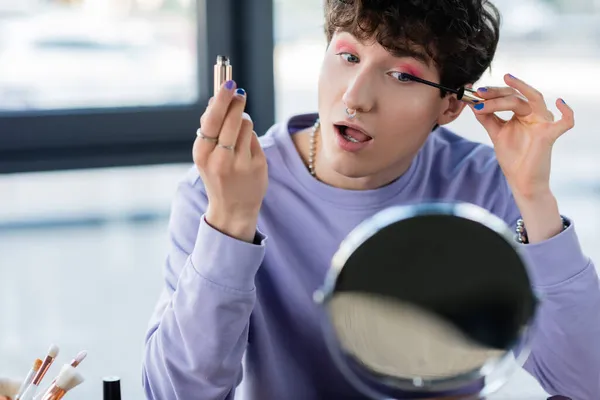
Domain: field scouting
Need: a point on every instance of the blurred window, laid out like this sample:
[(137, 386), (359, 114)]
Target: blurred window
[(97, 83), (97, 53)]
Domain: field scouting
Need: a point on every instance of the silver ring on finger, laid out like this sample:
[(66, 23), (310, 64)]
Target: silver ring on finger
[(203, 136), (226, 147)]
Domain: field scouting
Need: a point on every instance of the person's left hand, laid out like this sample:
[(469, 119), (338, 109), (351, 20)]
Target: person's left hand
[(523, 144)]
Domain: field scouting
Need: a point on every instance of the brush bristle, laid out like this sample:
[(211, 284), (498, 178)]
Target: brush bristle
[(53, 352), (9, 387), (64, 368), (37, 364), (74, 382), (66, 374), (81, 356)]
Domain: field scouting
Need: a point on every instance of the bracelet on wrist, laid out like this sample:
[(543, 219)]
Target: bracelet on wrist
[(521, 232)]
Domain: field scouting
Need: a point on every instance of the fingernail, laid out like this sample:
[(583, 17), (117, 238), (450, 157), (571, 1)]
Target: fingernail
[(479, 106), (512, 76), (563, 101), (229, 85), (482, 89), (240, 92)]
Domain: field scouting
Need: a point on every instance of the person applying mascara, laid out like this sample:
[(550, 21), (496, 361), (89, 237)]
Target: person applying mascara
[(255, 222)]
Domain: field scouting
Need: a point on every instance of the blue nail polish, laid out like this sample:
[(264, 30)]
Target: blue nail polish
[(563, 101), (229, 85), (240, 92), (512, 76), (482, 89), (479, 106)]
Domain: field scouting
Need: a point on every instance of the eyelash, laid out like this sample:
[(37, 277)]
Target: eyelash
[(346, 53), (402, 76)]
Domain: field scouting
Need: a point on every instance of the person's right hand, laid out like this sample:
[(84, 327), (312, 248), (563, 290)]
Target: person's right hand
[(231, 164)]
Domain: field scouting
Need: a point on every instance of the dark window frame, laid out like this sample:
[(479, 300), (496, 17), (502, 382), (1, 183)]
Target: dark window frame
[(109, 137)]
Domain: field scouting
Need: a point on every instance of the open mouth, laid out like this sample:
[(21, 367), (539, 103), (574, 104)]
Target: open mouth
[(352, 135)]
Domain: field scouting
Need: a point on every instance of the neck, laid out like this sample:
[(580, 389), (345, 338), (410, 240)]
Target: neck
[(383, 178)]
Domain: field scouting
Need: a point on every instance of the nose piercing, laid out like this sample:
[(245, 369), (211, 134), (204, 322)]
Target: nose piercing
[(350, 114)]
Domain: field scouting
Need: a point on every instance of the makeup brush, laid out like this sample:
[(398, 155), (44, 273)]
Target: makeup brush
[(67, 379), (35, 384), (74, 363), (34, 369), (78, 358), (8, 387)]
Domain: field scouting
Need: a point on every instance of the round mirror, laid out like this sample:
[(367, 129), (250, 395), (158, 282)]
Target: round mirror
[(428, 301)]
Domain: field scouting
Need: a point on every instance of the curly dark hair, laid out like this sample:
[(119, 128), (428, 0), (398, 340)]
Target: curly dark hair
[(459, 37)]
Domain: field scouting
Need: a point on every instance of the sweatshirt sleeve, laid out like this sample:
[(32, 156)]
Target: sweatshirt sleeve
[(199, 330), (565, 355)]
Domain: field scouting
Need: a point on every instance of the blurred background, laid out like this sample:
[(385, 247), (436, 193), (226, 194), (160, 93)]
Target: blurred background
[(99, 103)]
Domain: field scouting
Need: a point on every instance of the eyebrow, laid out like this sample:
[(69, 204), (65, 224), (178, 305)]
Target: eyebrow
[(409, 53), (399, 52)]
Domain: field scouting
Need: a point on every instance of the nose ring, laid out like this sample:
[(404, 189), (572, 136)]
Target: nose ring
[(350, 114)]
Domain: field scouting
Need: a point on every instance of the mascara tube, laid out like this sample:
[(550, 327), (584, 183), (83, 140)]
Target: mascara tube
[(469, 96), (223, 72)]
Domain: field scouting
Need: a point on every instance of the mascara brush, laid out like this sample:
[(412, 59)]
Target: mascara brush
[(78, 358)]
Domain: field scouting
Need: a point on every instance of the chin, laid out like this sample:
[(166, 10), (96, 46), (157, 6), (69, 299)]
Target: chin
[(345, 164), (348, 171)]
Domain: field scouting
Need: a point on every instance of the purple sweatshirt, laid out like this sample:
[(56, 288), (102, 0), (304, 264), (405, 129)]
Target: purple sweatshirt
[(232, 310)]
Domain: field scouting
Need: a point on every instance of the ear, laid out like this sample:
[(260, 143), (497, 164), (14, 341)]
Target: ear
[(450, 109)]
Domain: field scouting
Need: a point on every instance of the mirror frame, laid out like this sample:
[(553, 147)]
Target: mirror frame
[(369, 383)]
